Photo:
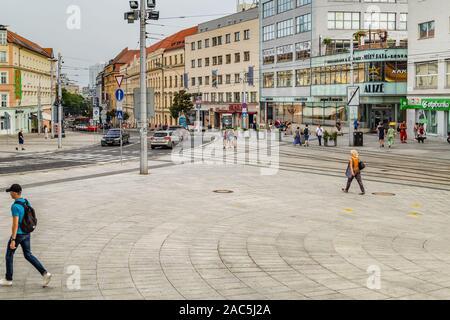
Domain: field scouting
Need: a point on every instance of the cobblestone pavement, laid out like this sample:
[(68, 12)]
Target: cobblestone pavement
[(292, 235)]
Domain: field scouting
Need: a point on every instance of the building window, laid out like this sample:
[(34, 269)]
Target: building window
[(219, 40), (228, 79), (219, 79), (237, 36), (206, 43), (268, 9), (426, 30), (246, 34), (285, 53), (200, 81), (193, 82), (228, 38), (3, 100), (192, 63), (237, 57), (229, 97), (237, 78), (343, 20), (302, 78), (228, 59), (302, 50), (219, 60), (403, 23), (303, 23), (285, 28), (247, 56), (2, 56), (206, 62), (284, 5), (214, 41), (3, 78), (427, 75), (303, 2), (237, 97), (199, 44), (448, 77), (269, 56), (380, 20), (193, 46), (199, 63), (214, 61), (3, 38), (269, 32), (284, 79)]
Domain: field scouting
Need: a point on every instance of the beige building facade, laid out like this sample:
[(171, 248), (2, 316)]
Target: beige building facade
[(222, 62), (25, 84)]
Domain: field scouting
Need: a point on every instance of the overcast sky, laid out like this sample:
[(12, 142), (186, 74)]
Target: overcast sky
[(103, 32)]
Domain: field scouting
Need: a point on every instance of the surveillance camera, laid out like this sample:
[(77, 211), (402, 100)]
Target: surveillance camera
[(151, 4), (134, 5)]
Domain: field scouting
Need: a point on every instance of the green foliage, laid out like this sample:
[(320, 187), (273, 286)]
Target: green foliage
[(182, 103), (126, 116), (75, 104)]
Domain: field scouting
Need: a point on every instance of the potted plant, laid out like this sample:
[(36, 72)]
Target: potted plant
[(326, 137), (333, 137), (327, 42)]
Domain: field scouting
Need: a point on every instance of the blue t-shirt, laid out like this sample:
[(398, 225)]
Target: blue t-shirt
[(18, 211)]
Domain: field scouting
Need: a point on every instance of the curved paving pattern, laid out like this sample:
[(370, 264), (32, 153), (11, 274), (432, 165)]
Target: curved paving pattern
[(168, 236)]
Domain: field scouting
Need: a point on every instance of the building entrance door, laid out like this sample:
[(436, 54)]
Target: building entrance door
[(380, 114)]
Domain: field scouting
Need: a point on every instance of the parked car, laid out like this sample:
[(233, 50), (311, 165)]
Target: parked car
[(81, 127), (182, 132), (92, 129), (112, 138), (165, 138)]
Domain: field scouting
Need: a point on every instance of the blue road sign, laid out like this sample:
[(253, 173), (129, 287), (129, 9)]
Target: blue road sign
[(119, 115), (120, 94)]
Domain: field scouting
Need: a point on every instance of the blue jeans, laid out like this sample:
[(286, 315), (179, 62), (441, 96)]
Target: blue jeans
[(24, 240)]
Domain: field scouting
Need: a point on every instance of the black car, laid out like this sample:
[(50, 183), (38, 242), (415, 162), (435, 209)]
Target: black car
[(112, 138)]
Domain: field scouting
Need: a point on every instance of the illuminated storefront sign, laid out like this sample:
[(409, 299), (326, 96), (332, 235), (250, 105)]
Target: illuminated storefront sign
[(426, 104)]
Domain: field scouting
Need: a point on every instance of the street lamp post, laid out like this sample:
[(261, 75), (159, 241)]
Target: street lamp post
[(145, 12), (60, 111)]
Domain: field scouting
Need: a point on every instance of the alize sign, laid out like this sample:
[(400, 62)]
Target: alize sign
[(374, 88)]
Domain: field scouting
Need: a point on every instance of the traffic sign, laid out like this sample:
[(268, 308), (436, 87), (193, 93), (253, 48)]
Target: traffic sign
[(119, 115), (119, 80), (353, 96), (119, 106), (120, 94), (244, 108), (96, 114)]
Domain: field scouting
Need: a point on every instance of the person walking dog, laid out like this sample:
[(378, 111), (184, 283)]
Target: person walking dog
[(23, 223), (355, 165)]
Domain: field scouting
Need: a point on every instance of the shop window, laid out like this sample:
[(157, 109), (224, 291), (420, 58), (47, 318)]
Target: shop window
[(284, 79), (302, 50), (448, 75), (269, 80), (269, 56), (302, 78)]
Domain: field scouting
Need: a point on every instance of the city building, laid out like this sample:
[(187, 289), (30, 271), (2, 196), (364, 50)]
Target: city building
[(429, 67), (165, 73), (25, 83), (222, 60), (111, 70), (93, 73), (131, 81), (305, 59)]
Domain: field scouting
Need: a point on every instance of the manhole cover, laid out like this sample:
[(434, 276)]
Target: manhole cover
[(223, 191), (384, 194)]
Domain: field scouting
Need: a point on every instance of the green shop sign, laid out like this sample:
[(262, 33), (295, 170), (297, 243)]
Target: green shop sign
[(426, 104), (18, 84)]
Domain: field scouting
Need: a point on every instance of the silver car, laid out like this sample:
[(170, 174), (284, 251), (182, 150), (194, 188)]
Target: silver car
[(167, 139)]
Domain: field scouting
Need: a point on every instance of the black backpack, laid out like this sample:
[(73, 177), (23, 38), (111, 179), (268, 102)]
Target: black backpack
[(29, 221)]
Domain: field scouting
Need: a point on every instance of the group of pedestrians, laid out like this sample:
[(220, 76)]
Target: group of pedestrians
[(302, 137), (229, 139), (391, 132)]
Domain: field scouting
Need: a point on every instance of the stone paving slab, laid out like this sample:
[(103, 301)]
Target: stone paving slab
[(292, 235)]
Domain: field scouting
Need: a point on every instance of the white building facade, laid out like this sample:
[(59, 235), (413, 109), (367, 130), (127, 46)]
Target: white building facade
[(429, 67)]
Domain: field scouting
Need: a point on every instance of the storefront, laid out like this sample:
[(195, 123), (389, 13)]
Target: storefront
[(433, 113), (232, 116), (381, 75)]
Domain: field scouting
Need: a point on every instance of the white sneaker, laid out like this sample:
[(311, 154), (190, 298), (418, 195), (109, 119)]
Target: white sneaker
[(46, 279), (5, 283)]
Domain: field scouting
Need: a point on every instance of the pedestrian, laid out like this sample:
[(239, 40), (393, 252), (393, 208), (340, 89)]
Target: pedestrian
[(421, 134), (356, 124), (21, 140), (416, 131), (319, 133), (297, 137), (225, 139), (46, 132), (19, 237), (403, 133), (338, 126), (381, 134), (306, 135), (391, 136), (354, 168)]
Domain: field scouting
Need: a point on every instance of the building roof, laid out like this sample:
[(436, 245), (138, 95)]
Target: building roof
[(124, 57), (174, 41), (25, 43)]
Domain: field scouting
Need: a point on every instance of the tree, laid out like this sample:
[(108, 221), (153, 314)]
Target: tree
[(75, 104), (182, 103)]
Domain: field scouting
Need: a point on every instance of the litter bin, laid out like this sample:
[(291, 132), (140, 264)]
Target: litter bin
[(358, 139)]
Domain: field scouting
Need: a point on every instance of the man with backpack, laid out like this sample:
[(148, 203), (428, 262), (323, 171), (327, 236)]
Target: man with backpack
[(23, 223)]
